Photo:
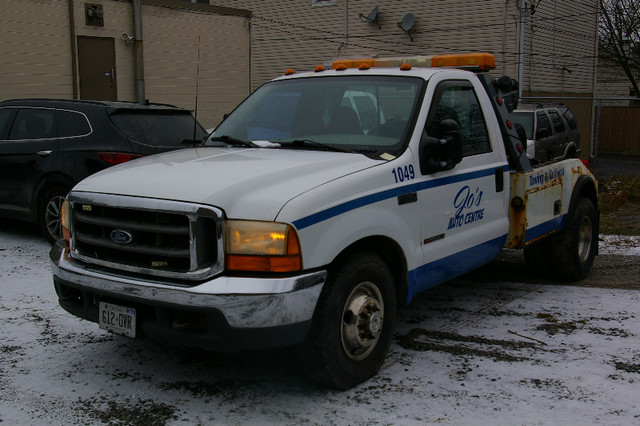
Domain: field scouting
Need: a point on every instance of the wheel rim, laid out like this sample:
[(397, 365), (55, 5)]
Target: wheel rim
[(585, 237), (362, 321), (52, 217)]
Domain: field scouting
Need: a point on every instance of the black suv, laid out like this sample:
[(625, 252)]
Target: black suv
[(552, 132), (48, 145)]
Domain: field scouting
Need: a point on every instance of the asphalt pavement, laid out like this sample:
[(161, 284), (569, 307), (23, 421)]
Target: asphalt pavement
[(608, 165)]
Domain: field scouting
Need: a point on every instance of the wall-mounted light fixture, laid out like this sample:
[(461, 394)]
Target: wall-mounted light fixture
[(128, 39)]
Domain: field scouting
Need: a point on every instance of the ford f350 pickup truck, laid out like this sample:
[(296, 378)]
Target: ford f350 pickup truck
[(319, 206)]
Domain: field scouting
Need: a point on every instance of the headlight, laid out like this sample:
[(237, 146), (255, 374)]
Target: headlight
[(261, 246), (64, 221)]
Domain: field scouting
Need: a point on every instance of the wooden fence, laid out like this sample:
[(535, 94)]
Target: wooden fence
[(619, 130)]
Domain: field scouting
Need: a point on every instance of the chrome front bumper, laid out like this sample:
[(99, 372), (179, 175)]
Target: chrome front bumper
[(245, 302)]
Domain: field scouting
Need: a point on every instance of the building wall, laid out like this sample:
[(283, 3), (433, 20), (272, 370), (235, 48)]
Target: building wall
[(294, 33), (35, 49), (613, 82), (35, 44), (189, 51), (561, 47)]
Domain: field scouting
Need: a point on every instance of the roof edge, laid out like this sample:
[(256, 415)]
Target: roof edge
[(200, 7)]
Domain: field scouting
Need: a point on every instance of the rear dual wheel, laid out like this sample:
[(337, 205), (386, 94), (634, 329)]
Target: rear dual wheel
[(568, 255), (353, 323), (575, 247)]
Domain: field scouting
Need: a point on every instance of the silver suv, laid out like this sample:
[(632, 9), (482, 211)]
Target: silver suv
[(552, 132)]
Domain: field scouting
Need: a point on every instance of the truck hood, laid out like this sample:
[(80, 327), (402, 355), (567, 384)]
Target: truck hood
[(245, 183)]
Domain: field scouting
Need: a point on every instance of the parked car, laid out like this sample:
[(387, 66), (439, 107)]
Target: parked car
[(552, 131), (47, 146)]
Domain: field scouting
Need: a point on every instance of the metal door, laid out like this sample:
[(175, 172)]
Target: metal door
[(97, 67), (464, 210)]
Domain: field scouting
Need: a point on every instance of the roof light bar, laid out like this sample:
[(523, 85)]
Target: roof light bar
[(474, 61)]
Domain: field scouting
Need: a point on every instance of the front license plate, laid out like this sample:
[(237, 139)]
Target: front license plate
[(117, 319)]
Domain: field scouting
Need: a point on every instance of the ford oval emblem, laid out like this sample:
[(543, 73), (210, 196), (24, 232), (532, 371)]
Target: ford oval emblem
[(121, 236)]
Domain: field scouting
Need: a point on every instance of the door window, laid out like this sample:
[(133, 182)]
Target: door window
[(558, 124), (6, 117), (71, 123), (542, 124), (568, 115), (33, 123), (457, 100)]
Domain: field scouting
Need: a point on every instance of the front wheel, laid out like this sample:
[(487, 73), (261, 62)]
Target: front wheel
[(575, 247), (353, 323)]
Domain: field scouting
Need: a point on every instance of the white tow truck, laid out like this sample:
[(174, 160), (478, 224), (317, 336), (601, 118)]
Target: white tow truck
[(318, 207)]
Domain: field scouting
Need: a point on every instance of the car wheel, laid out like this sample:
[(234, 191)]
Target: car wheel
[(575, 247), (49, 213), (353, 323)]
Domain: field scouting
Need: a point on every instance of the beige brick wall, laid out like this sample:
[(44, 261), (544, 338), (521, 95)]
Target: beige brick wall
[(35, 47), (172, 40), (293, 33)]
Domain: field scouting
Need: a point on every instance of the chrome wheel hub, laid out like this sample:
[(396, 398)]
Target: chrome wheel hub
[(362, 321), (585, 237)]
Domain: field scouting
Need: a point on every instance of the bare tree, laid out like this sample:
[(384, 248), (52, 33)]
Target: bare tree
[(620, 37)]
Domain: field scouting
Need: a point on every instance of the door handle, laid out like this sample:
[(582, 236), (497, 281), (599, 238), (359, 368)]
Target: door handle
[(44, 153), (499, 175)]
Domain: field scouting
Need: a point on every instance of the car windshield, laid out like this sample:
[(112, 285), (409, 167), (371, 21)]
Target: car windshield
[(158, 128), (368, 114), (526, 120)]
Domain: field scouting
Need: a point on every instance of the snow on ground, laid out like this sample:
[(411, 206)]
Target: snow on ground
[(620, 244), (465, 353)]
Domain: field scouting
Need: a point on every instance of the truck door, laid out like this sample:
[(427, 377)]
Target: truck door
[(464, 210)]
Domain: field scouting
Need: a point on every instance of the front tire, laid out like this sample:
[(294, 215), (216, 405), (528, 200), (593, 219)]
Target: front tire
[(575, 247), (353, 323)]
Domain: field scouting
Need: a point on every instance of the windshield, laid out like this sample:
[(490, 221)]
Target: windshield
[(368, 114), (526, 120)]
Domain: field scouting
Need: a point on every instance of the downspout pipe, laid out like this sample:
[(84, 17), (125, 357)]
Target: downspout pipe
[(523, 6), (74, 57), (504, 38), (137, 22)]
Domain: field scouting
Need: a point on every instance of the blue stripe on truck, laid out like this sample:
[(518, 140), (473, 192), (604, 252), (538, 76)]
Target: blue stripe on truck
[(553, 225), (455, 265), (356, 203)]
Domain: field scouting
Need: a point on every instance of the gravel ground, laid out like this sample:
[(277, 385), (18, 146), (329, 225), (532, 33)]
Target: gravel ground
[(497, 346)]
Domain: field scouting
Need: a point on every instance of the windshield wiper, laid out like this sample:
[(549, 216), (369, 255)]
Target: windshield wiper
[(230, 140), (308, 143)]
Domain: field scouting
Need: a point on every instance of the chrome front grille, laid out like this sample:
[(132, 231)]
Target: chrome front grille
[(147, 236)]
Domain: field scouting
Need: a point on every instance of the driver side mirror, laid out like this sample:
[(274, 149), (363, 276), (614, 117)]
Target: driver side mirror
[(438, 154)]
